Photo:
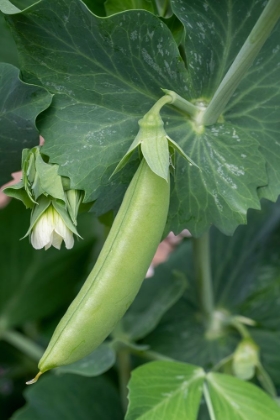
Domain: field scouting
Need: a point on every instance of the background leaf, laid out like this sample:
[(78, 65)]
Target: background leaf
[(234, 399), (96, 6), (39, 282), (245, 276), (19, 106), (86, 398), (8, 50), (116, 6), (156, 296), (115, 70), (165, 390)]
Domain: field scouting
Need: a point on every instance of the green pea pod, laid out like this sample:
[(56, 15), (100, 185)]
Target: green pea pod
[(118, 273)]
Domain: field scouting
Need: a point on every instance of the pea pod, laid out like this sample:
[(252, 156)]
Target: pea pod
[(118, 273)]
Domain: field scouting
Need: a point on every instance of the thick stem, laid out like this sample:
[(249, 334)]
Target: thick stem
[(23, 344), (124, 368), (242, 62), (202, 262)]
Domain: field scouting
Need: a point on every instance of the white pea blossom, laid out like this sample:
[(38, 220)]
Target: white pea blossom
[(50, 230)]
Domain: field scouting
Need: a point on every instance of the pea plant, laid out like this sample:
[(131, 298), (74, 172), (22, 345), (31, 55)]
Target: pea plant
[(157, 116)]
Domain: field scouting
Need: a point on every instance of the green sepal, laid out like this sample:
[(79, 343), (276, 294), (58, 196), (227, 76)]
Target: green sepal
[(18, 191), (28, 171), (60, 208), (39, 177), (73, 200), (154, 144), (126, 157), (152, 140), (47, 181), (37, 212), (181, 151)]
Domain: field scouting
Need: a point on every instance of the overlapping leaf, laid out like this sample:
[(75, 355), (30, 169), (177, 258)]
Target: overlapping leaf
[(106, 73), (19, 106), (165, 390), (8, 51), (69, 397), (233, 399)]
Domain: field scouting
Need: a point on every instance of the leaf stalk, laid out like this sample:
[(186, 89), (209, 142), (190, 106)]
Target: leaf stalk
[(23, 343)]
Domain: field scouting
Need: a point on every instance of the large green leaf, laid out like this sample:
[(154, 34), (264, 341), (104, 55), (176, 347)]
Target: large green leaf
[(106, 73), (8, 51), (165, 391), (35, 283), (19, 106), (71, 397), (233, 399)]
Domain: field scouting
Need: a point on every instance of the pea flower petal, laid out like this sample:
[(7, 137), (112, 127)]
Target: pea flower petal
[(50, 230)]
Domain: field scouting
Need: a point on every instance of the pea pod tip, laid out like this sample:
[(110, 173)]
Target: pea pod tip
[(32, 381)]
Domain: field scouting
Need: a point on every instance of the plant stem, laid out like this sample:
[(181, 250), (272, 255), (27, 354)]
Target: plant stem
[(162, 7), (241, 328), (23, 343), (166, 99), (184, 105), (202, 263), (151, 355), (124, 367), (242, 62)]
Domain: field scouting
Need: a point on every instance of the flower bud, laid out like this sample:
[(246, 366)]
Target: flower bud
[(50, 230), (245, 359)]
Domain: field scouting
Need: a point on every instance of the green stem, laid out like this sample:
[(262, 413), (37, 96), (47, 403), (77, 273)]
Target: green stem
[(23, 344), (124, 368), (202, 263), (166, 99), (151, 355), (242, 62), (243, 331), (118, 343), (184, 105), (162, 7)]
